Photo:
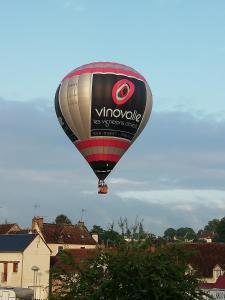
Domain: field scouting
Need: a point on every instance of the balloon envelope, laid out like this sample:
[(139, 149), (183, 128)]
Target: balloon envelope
[(103, 107)]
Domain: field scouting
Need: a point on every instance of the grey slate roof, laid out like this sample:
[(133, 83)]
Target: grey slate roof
[(15, 242)]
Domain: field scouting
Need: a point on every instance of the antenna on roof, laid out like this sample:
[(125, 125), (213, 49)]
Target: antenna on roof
[(82, 213)]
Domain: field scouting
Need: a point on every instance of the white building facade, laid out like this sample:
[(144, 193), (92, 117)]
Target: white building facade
[(25, 263)]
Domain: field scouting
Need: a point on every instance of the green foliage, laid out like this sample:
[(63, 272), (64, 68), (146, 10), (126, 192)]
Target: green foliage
[(97, 229), (111, 237), (170, 233), (217, 228), (133, 232), (181, 234), (220, 231), (108, 237), (128, 272), (212, 225), (186, 233), (62, 219)]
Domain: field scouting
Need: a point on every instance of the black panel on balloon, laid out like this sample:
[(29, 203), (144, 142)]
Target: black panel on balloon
[(118, 105), (102, 168)]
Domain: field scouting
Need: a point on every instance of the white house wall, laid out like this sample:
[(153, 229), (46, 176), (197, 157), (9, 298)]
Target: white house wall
[(37, 254), (13, 279), (55, 247)]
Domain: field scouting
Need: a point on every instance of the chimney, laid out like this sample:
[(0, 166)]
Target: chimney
[(37, 221)]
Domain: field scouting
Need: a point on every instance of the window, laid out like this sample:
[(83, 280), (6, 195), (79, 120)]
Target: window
[(15, 267), (5, 272)]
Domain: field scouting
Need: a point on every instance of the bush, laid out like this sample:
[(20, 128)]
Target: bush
[(130, 272)]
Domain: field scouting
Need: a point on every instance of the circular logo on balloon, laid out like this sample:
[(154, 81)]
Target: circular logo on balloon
[(122, 91)]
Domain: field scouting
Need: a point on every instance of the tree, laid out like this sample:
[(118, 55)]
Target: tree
[(200, 233), (128, 272), (220, 231), (186, 233), (109, 237), (212, 225), (134, 232), (170, 233), (62, 219), (141, 232), (98, 230)]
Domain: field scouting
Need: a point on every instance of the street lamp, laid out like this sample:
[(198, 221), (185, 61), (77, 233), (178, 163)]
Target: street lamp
[(35, 269)]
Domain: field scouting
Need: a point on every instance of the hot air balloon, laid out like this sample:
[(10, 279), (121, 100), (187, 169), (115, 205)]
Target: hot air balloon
[(103, 107)]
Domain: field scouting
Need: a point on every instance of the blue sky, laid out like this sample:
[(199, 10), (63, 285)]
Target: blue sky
[(178, 46)]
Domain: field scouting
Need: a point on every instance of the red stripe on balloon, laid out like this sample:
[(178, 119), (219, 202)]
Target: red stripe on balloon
[(104, 70), (101, 143), (101, 62), (106, 157)]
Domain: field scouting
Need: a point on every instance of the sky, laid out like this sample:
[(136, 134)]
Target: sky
[(173, 176)]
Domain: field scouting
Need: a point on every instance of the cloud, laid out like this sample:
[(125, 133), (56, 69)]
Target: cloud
[(76, 6), (178, 199), (172, 176), (88, 192), (179, 150), (125, 181)]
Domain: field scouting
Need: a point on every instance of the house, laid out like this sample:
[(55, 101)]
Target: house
[(25, 263), (215, 290), (9, 228), (64, 236), (57, 265), (207, 236), (208, 259), (77, 256), (219, 284)]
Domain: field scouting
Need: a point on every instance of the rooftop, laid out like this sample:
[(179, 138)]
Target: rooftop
[(219, 284), (77, 256), (15, 242), (66, 234), (5, 228), (206, 256)]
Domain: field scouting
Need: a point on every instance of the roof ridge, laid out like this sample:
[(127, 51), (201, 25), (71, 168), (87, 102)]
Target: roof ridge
[(60, 224), (16, 234)]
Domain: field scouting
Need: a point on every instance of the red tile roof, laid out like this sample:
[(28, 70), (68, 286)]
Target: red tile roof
[(219, 284), (66, 234), (77, 254), (208, 235), (206, 256), (206, 285), (5, 228)]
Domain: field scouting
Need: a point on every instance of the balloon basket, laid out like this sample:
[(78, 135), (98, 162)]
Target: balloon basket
[(102, 187)]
